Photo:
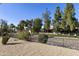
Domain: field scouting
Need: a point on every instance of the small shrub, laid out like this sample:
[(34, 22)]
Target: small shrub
[(5, 38), (50, 35), (42, 38), (23, 35)]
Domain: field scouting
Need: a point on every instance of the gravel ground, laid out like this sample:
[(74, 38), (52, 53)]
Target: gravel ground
[(67, 42), (72, 43), (23, 48)]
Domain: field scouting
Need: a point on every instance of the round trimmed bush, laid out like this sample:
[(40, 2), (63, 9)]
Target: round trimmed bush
[(23, 35), (5, 38), (42, 38)]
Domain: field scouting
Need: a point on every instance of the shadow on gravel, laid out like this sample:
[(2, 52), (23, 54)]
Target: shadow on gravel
[(12, 43)]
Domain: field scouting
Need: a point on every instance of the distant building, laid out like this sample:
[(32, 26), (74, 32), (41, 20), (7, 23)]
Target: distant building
[(25, 28), (51, 26)]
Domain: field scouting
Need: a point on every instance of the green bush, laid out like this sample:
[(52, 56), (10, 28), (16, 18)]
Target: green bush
[(13, 35), (42, 38), (5, 38), (23, 35)]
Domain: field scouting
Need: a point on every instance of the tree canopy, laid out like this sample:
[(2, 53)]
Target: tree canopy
[(46, 17)]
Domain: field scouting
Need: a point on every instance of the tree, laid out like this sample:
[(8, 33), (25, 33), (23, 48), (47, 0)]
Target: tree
[(69, 17), (29, 23), (37, 24), (57, 19), (3, 26), (22, 24), (12, 27), (47, 21)]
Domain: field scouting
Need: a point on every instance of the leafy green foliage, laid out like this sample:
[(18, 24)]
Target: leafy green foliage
[(12, 27), (4, 31), (57, 19), (42, 38), (66, 23), (23, 35), (4, 26), (29, 23), (5, 38), (21, 25), (47, 21), (37, 25), (69, 17)]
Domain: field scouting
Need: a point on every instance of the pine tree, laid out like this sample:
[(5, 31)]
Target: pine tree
[(69, 17), (47, 21), (37, 25), (57, 19)]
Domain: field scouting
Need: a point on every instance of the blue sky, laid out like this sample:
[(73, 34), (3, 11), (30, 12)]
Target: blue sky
[(13, 13)]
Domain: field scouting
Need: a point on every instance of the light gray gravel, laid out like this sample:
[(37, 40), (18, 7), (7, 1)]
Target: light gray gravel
[(17, 47)]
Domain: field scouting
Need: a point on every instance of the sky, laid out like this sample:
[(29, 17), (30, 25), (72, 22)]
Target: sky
[(15, 12)]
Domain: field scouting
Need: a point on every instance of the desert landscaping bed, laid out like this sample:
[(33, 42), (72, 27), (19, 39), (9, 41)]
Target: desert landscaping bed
[(67, 42), (17, 47), (64, 42)]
